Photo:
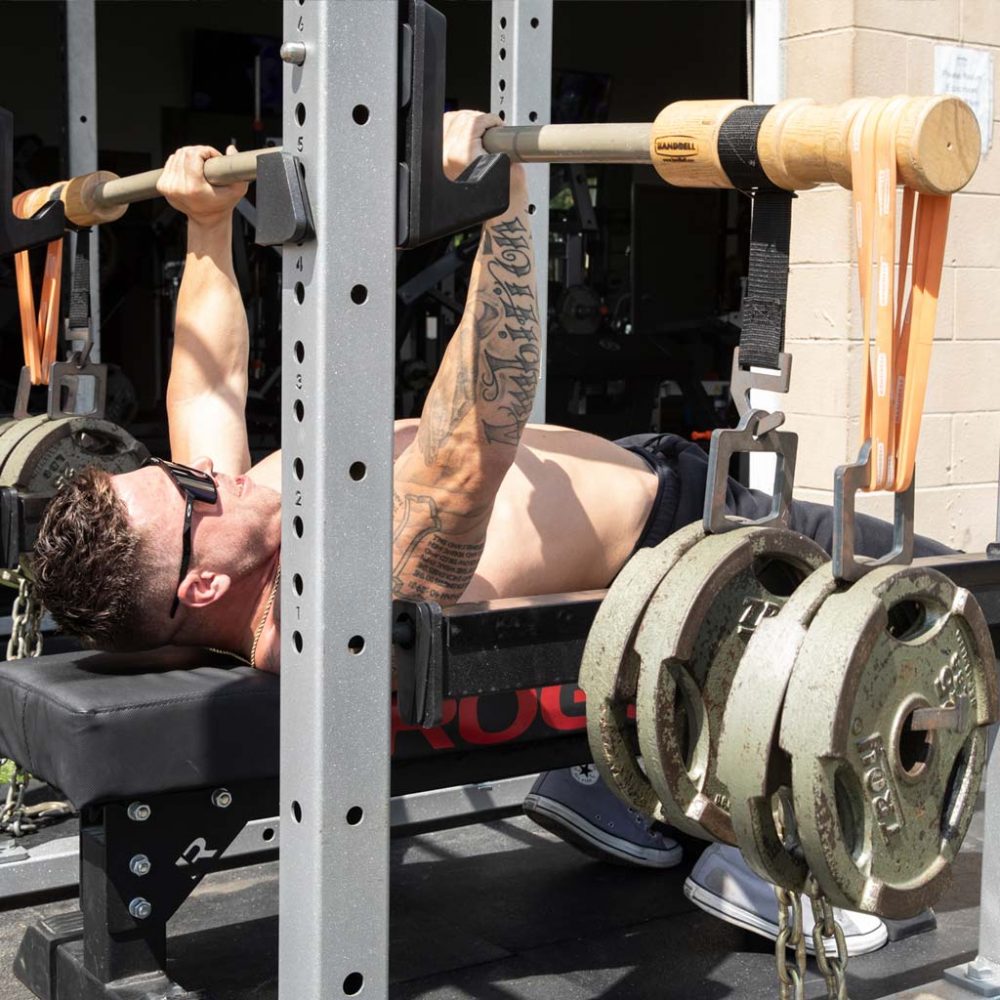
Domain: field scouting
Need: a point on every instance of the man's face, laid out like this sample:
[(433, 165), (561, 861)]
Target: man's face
[(234, 536)]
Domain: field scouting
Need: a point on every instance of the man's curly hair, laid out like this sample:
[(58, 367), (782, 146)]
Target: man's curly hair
[(87, 564)]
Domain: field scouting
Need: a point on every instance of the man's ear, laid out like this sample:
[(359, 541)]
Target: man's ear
[(201, 588)]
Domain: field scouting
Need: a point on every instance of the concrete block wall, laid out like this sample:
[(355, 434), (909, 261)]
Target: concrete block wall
[(834, 50)]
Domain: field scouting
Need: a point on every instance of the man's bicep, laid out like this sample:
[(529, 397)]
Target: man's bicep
[(210, 426)]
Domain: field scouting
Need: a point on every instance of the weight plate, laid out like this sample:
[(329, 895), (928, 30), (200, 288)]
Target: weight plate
[(15, 431), (609, 670), (882, 807), (56, 450), (689, 643), (752, 765)]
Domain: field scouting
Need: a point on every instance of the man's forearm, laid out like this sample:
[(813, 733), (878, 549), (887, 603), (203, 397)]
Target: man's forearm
[(484, 390)]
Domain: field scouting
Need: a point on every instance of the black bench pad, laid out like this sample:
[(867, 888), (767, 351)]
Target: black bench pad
[(96, 728)]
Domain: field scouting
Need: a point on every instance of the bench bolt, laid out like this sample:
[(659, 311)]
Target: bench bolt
[(222, 798), (139, 812), (141, 909), (140, 865)]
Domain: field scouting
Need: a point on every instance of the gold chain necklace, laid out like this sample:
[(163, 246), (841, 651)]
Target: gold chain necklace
[(259, 631)]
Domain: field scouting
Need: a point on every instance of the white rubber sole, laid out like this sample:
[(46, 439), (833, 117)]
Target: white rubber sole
[(705, 899), (599, 843)]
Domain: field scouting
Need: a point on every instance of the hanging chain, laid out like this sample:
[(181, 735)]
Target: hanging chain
[(16, 818), (25, 634), (791, 978), (833, 968)]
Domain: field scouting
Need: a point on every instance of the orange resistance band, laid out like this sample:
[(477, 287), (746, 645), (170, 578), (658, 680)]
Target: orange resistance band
[(39, 334), (894, 382)]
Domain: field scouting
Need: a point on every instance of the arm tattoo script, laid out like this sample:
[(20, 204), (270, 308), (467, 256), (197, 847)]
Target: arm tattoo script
[(494, 366), (427, 564)]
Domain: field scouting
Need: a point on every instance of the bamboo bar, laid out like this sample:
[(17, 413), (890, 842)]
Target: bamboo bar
[(799, 145)]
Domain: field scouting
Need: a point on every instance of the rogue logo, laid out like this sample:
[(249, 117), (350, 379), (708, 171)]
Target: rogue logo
[(675, 148)]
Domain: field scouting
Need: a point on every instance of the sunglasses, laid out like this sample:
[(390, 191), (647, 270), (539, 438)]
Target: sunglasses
[(194, 485)]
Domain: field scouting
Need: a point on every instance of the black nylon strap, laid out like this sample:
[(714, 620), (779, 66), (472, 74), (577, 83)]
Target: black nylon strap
[(79, 294), (763, 336)]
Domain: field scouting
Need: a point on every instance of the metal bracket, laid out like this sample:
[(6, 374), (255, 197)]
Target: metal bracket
[(418, 662), (76, 389), (755, 433), (429, 204), (742, 380), (46, 225), (847, 480), (284, 214)]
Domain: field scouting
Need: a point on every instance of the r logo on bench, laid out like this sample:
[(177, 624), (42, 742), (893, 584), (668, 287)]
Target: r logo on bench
[(197, 850)]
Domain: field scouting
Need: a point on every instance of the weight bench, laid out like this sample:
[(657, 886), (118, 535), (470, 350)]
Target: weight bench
[(168, 755)]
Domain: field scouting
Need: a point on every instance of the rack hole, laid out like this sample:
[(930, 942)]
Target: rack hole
[(356, 644), (83, 118), (300, 113), (300, 351), (297, 641), (298, 468), (300, 292), (297, 585), (297, 526), (302, 174), (534, 22), (532, 116), (355, 815), (296, 812), (268, 833), (502, 85), (503, 53), (353, 984), (359, 295), (503, 116), (358, 471), (531, 210), (503, 22), (300, 410), (360, 114)]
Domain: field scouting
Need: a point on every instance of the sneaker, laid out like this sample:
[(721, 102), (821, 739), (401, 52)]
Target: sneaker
[(576, 805), (722, 884)]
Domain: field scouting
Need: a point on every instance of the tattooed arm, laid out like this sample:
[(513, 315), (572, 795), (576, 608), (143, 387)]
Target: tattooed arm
[(479, 403)]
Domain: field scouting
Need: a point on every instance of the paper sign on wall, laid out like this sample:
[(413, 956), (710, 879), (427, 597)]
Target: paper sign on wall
[(967, 73)]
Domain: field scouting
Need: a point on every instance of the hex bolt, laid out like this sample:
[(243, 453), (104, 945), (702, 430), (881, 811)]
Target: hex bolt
[(141, 909), (139, 812), (140, 865), (222, 798), (293, 52)]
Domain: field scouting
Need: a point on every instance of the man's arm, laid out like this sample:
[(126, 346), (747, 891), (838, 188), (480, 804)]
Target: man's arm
[(445, 483), (207, 390)]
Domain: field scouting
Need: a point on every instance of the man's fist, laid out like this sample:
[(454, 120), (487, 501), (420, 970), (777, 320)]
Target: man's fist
[(463, 143), (184, 186)]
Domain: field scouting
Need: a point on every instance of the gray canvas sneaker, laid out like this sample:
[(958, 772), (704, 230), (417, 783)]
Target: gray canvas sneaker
[(576, 805), (721, 883)]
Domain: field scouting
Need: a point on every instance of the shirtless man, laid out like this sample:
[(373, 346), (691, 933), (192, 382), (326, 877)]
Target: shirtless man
[(484, 506)]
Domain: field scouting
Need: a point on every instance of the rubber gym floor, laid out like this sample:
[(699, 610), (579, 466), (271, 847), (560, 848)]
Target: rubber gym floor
[(505, 911)]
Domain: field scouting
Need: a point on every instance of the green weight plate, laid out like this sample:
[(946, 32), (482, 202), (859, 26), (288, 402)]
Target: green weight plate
[(689, 643), (609, 671), (881, 807), (56, 450), (752, 765)]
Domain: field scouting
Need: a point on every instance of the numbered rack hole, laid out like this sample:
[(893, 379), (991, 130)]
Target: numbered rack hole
[(502, 85), (503, 22), (300, 410), (353, 984), (300, 351), (359, 295), (297, 585), (531, 210), (300, 113), (300, 292), (360, 114), (298, 469), (297, 641), (356, 644), (503, 116), (358, 471), (296, 812), (355, 815), (297, 526)]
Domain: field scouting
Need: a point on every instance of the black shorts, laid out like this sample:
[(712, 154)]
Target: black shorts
[(681, 468)]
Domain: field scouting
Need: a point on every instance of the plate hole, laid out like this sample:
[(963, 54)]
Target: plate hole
[(915, 747), (850, 810), (907, 620), (777, 576)]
